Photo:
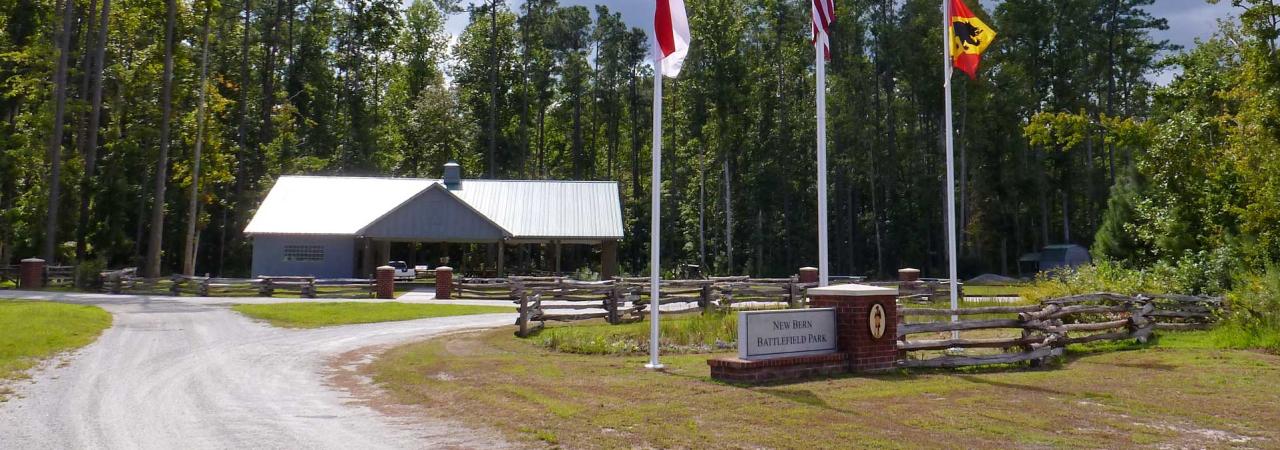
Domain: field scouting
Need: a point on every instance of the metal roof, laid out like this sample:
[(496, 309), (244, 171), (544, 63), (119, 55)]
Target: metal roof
[(582, 210)]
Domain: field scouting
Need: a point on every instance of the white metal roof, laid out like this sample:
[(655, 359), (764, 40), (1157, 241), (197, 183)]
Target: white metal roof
[(526, 209)]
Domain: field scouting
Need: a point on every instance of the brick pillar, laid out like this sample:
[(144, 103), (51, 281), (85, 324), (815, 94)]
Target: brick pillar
[(908, 275), (444, 282), (386, 282), (31, 273), (808, 274), (856, 338)]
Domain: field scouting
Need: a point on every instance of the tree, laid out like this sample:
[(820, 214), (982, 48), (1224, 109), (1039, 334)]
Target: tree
[(162, 161)]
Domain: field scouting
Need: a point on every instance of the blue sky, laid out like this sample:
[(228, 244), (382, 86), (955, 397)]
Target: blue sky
[(1188, 19)]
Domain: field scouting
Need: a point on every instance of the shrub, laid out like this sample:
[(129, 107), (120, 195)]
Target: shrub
[(1104, 276), (1252, 319)]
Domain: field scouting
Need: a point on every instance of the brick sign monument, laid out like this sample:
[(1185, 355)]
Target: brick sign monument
[(848, 328)]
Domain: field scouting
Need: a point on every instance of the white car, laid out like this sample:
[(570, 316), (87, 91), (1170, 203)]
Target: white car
[(403, 271)]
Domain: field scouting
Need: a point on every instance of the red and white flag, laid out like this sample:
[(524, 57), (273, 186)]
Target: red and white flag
[(671, 33), (824, 13)]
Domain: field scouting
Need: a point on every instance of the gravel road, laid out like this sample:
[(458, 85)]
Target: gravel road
[(171, 374)]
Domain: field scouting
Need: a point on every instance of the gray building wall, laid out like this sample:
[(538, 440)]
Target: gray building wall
[(434, 216), (293, 255)]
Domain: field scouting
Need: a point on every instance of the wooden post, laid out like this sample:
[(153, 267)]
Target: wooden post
[(175, 287), (796, 300), (265, 289), (523, 320), (611, 305), (204, 287), (704, 300)]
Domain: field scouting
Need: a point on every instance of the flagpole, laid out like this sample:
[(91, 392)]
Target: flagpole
[(823, 273), (951, 177), (655, 215)]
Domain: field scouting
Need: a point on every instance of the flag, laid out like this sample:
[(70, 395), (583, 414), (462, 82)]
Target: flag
[(824, 13), (970, 36), (671, 33)]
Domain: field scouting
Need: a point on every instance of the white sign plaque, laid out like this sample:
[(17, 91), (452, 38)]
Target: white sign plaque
[(786, 333)]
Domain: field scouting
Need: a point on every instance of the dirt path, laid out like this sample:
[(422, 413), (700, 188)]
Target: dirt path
[(171, 374)]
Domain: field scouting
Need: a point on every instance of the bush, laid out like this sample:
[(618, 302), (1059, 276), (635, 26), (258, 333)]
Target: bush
[(87, 274), (1104, 276), (1253, 314)]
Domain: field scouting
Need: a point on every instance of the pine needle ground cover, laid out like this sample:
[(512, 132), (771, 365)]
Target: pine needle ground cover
[(1181, 392), (33, 331), (313, 315)]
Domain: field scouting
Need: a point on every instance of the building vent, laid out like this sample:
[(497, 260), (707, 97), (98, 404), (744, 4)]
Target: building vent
[(453, 175)]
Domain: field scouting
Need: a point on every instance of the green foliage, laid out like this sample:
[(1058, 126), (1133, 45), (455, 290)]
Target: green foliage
[(1117, 238), (1104, 276), (1253, 315), (683, 334)]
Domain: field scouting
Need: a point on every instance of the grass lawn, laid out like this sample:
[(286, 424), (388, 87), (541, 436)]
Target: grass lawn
[(1179, 393), (312, 315), (33, 331)]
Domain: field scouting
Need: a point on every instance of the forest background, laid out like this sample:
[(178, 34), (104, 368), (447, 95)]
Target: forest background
[(106, 106)]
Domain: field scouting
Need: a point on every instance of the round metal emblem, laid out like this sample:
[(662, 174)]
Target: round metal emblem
[(877, 321)]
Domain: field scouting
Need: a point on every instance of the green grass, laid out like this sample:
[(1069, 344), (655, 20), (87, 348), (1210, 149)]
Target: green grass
[(1180, 392), (691, 333), (313, 315), (8, 284), (33, 331)]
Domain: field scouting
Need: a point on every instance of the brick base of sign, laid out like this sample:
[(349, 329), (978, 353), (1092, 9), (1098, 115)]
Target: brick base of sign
[(866, 352), (864, 344), (734, 370)]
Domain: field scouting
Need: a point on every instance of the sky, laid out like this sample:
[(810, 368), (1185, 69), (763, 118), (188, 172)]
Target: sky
[(1188, 19)]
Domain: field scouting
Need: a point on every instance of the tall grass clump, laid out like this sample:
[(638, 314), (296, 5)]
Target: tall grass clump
[(1252, 319)]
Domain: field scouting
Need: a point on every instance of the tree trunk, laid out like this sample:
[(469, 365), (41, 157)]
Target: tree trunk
[(162, 162), (193, 206), (55, 139), (493, 88), (91, 133)]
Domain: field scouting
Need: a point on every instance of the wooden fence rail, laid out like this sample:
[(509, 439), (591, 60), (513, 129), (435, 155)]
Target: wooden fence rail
[(126, 281), (1046, 329), (623, 300)]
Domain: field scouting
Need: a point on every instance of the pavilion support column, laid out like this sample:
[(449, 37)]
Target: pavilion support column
[(558, 272), (384, 252), (502, 257), (608, 259), (367, 265)]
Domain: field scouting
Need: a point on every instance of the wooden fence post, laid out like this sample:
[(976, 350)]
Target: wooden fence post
[(704, 300), (175, 285), (203, 289), (611, 305), (523, 320)]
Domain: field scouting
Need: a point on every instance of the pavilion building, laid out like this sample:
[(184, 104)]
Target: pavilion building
[(342, 227)]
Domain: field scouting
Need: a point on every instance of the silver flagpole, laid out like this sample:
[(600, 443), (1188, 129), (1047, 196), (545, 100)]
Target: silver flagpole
[(822, 161), (951, 176), (655, 230)]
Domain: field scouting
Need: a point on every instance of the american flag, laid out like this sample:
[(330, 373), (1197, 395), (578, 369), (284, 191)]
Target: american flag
[(824, 13)]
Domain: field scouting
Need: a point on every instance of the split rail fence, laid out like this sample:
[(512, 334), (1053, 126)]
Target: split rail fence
[(1043, 331), (126, 281), (623, 300)]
